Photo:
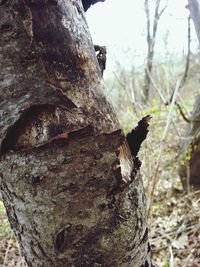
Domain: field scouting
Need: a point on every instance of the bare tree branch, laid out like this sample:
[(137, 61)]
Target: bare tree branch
[(156, 88), (184, 116), (163, 9)]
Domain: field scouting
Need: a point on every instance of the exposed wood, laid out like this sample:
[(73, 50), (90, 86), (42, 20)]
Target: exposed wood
[(69, 183)]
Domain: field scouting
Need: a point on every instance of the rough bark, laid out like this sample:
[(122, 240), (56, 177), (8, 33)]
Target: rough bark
[(69, 183)]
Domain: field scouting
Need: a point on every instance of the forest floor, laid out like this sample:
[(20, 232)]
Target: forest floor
[(174, 214)]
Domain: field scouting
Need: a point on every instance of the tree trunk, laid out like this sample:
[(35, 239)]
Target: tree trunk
[(194, 7), (189, 170), (69, 183)]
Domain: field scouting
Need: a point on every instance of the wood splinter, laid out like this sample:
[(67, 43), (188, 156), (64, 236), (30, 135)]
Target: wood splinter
[(137, 136)]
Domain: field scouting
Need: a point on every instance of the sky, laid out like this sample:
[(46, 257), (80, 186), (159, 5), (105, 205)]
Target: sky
[(120, 25)]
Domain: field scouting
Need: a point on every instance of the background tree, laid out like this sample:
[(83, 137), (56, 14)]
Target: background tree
[(194, 7), (151, 38), (189, 170), (72, 190)]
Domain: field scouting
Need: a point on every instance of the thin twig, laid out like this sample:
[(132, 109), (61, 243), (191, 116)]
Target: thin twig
[(132, 103), (7, 250), (177, 87), (188, 53), (171, 257), (156, 87), (183, 114)]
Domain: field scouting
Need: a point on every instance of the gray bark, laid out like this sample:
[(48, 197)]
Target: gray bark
[(69, 183), (194, 7)]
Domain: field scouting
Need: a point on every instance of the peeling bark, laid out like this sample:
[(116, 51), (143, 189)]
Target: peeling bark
[(69, 183)]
